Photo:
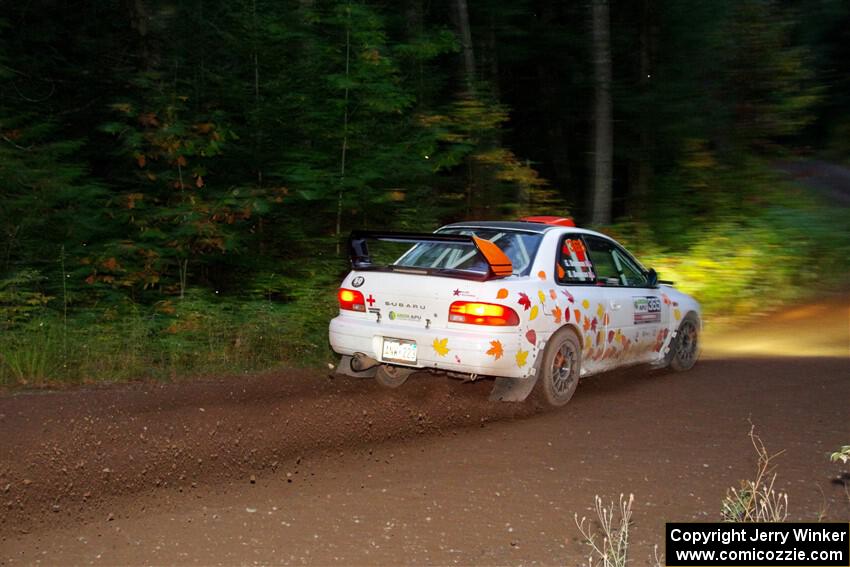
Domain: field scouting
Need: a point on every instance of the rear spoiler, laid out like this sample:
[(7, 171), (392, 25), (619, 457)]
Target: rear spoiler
[(500, 265)]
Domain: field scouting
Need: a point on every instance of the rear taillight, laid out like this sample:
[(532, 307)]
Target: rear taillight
[(482, 314), (351, 300)]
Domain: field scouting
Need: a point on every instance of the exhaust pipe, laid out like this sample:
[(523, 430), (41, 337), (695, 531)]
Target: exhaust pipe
[(360, 362)]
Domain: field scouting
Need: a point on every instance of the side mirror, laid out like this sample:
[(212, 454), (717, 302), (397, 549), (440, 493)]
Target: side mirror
[(652, 278)]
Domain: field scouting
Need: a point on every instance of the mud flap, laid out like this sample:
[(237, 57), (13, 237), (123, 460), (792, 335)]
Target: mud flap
[(344, 368), (512, 389)]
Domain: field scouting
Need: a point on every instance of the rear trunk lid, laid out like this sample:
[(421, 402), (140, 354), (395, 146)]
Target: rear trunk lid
[(411, 298)]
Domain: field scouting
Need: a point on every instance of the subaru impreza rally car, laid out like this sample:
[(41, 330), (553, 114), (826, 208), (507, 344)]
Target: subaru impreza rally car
[(533, 302)]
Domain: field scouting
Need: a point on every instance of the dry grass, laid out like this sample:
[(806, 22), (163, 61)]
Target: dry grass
[(757, 500)]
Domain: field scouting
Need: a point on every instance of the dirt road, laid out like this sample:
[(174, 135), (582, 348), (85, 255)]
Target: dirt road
[(295, 467)]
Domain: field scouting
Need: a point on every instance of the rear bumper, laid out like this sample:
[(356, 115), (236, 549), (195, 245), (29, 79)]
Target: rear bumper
[(467, 349)]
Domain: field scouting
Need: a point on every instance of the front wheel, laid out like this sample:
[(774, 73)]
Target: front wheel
[(392, 376), (559, 368), (685, 350)]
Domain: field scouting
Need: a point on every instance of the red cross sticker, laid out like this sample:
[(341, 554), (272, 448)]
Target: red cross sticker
[(370, 300)]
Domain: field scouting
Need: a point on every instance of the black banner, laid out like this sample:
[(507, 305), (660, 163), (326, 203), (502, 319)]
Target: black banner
[(761, 545)]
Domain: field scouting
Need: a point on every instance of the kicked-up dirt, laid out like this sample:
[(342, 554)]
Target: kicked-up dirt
[(296, 467)]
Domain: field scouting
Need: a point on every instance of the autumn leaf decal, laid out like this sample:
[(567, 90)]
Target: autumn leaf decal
[(553, 295), (541, 274), (533, 315), (569, 296), (496, 350), (524, 301), (556, 313), (531, 336), (541, 296), (441, 346), (521, 358), (502, 293)]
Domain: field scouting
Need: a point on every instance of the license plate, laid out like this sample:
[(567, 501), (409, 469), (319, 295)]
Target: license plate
[(399, 350)]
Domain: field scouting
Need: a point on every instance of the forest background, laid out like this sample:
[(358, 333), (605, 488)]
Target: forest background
[(177, 178)]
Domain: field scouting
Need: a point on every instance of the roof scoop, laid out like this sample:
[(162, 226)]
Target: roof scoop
[(554, 221)]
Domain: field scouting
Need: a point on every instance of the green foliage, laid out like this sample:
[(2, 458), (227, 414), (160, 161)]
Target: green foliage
[(20, 298), (177, 179), (774, 244), (842, 455), (198, 335)]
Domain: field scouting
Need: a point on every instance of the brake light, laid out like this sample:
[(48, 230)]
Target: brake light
[(351, 300), (482, 314)]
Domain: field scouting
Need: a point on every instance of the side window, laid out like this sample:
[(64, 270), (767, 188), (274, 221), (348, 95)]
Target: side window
[(602, 253), (613, 265), (573, 262), (631, 273)]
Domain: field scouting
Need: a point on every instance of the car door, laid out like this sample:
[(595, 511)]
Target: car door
[(637, 312), (585, 303)]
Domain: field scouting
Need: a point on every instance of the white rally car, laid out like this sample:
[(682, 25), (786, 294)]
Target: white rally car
[(538, 301)]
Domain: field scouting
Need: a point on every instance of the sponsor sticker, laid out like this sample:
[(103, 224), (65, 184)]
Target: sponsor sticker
[(358, 281), (647, 310), (398, 316)]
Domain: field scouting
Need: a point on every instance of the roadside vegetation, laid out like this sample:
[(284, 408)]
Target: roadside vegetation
[(755, 500)]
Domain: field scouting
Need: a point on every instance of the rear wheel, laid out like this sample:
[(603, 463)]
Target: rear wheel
[(685, 350), (559, 368), (392, 376)]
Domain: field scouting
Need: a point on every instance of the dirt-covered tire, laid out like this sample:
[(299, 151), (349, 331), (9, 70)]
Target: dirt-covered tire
[(559, 368), (392, 376), (684, 351)]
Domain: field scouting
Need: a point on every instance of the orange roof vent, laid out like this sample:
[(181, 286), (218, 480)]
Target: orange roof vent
[(555, 221)]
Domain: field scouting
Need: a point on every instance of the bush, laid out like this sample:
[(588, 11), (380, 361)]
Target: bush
[(774, 244), (197, 335)]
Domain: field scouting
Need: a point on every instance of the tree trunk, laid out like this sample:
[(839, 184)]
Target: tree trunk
[(465, 34), (413, 15), (643, 170), (344, 151), (602, 126), (490, 56)]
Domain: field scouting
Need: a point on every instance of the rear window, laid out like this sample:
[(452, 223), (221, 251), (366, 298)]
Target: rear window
[(520, 247)]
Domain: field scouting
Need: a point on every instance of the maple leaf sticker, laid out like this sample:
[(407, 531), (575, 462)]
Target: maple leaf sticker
[(556, 313), (521, 358), (496, 350), (524, 301), (441, 346)]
